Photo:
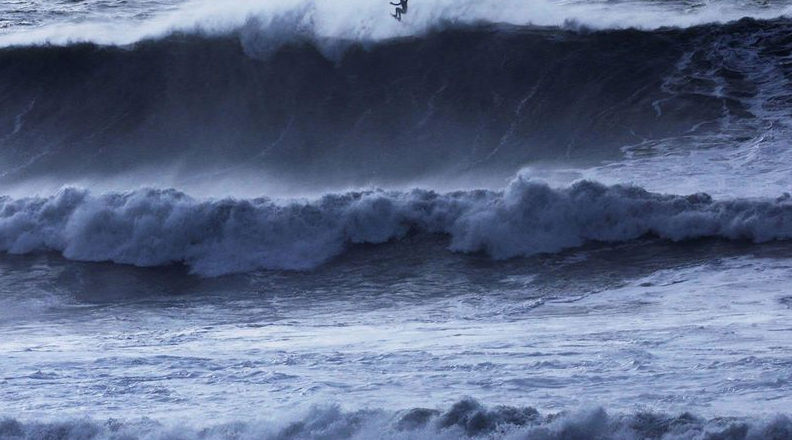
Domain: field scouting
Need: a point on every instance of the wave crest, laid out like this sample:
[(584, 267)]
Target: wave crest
[(465, 419), (215, 237), (371, 21)]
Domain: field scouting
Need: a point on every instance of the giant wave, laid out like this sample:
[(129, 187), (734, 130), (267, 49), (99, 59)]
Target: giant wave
[(461, 100), (215, 237)]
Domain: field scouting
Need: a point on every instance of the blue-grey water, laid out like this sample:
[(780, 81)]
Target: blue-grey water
[(302, 220)]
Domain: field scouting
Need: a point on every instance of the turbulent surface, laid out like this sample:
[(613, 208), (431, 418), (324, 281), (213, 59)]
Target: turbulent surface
[(16, 15), (651, 326)]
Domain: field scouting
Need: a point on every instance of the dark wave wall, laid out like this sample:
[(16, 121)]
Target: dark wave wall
[(481, 98)]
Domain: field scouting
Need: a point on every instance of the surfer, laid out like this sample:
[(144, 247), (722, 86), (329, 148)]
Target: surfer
[(401, 10)]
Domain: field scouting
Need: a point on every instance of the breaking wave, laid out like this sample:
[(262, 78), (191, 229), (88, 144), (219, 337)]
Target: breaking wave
[(465, 419), (215, 237), (369, 21)]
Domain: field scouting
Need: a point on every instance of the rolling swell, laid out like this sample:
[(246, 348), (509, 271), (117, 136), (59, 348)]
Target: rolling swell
[(161, 227), (465, 419), (488, 98)]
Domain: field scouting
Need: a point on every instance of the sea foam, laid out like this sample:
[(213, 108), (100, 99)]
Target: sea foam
[(151, 227), (465, 419)]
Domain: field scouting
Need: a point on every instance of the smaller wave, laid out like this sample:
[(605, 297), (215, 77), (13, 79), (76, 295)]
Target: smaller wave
[(465, 419), (150, 227)]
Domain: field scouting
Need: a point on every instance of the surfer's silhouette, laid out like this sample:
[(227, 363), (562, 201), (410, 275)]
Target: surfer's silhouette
[(401, 10)]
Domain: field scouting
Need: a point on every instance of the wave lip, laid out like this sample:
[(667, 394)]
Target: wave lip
[(363, 21), (465, 419), (215, 237)]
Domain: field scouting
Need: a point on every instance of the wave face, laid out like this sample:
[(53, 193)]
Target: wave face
[(465, 419), (465, 99), (160, 227)]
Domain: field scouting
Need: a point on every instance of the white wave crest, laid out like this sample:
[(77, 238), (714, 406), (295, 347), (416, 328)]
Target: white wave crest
[(215, 237), (370, 20), (465, 419)]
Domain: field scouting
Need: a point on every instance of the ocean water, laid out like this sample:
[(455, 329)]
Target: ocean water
[(290, 219)]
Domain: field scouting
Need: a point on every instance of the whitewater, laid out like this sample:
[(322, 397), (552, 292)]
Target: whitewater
[(291, 219)]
